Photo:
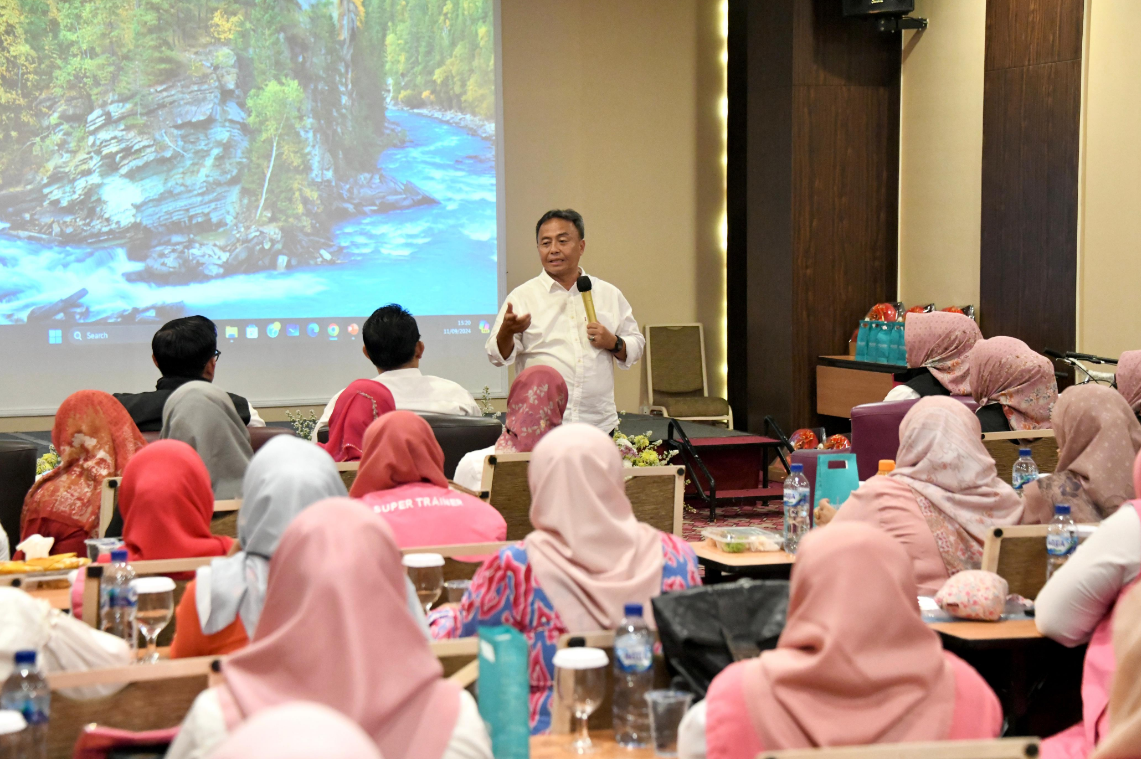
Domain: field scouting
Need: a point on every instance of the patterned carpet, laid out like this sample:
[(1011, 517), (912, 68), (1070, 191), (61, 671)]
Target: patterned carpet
[(768, 517)]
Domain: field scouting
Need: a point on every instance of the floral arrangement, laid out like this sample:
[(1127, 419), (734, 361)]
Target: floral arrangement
[(639, 450), (302, 426), (48, 461), (485, 402)]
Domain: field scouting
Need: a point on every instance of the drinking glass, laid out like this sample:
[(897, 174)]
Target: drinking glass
[(667, 707), (580, 679), (456, 590), (426, 571), (154, 610)]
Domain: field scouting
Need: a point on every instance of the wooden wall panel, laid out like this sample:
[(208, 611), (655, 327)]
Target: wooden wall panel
[(1031, 123)]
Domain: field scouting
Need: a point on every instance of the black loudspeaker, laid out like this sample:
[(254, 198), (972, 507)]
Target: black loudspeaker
[(863, 8)]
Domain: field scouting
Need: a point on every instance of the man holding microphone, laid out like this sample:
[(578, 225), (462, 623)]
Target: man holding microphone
[(577, 324)]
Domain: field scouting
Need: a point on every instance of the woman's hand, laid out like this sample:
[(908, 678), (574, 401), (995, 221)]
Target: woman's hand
[(823, 513)]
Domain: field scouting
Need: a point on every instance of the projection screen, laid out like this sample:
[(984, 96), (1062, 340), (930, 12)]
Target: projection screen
[(283, 167)]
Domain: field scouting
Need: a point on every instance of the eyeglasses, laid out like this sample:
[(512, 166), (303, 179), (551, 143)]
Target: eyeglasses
[(217, 354)]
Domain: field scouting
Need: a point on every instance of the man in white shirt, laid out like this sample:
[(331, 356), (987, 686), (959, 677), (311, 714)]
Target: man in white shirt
[(543, 321), (392, 343)]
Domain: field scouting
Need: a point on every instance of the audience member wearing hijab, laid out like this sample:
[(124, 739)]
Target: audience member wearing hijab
[(938, 344), (1123, 739), (1077, 606), (220, 609), (1098, 439), (298, 730), (1014, 386), (203, 415), (855, 665), (359, 405), (401, 478), (943, 496), (535, 406), (586, 559), (95, 438), (335, 634), (1128, 379)]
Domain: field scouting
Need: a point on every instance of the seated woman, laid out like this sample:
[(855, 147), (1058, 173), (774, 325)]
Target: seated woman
[(1015, 387), (1123, 738), (586, 559), (1128, 379), (334, 633), (220, 609), (855, 665), (62, 643), (938, 344), (1077, 606), (402, 479), (535, 406), (1098, 439), (202, 415), (359, 405), (95, 438), (943, 496)]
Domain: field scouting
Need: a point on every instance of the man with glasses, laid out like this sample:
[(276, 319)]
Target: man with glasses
[(184, 350)]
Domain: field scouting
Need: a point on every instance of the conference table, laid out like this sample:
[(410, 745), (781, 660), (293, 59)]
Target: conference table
[(605, 747), (774, 565)]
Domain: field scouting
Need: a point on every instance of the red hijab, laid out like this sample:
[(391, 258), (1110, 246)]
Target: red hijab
[(358, 406), (167, 502), (95, 438), (399, 449)]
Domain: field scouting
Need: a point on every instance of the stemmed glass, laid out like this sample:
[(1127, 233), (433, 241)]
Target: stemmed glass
[(154, 610), (426, 571), (580, 680)]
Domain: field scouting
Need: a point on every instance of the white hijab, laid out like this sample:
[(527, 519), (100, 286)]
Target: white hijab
[(204, 416), (287, 475)]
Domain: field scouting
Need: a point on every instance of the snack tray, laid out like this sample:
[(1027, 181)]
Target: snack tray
[(743, 539)]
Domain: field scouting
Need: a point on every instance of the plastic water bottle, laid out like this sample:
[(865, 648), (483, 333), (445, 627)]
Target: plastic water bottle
[(1061, 539), (797, 510), (633, 678), (27, 692), (118, 600), (1024, 471)]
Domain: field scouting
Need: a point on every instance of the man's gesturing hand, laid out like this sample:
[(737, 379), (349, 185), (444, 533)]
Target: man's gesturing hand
[(512, 325)]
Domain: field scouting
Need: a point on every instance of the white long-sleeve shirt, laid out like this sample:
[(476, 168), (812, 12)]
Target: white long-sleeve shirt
[(557, 338), (1080, 594), (413, 391)]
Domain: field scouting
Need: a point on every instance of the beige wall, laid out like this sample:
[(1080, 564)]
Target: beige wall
[(1109, 237), (941, 144), (612, 107)]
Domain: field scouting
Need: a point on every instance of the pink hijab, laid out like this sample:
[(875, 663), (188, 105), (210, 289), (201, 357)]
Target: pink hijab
[(856, 664), (941, 341), (1004, 370), (300, 730), (1129, 378), (590, 554), (358, 406), (1098, 439), (338, 631), (535, 406), (399, 449)]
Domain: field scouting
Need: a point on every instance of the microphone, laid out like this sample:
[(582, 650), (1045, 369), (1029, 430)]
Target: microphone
[(587, 299)]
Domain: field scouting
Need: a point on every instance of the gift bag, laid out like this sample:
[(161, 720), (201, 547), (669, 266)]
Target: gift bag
[(836, 477)]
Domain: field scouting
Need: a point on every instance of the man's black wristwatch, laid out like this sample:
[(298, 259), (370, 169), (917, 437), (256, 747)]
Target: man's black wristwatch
[(619, 344)]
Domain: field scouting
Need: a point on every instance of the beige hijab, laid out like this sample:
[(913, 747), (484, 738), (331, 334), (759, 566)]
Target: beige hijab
[(1124, 738), (589, 553)]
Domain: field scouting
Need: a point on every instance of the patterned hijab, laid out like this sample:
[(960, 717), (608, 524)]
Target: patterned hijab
[(204, 417), (1004, 370), (95, 438), (941, 342), (1098, 439), (358, 406), (535, 406), (1129, 378)]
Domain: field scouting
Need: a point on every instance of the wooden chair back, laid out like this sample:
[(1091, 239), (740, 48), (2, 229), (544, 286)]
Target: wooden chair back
[(603, 717), (225, 520), (348, 471), (1001, 748), (1003, 448), (656, 493), (454, 569), (1018, 555), (142, 569)]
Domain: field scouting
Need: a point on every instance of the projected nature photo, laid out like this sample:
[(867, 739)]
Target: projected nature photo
[(245, 158)]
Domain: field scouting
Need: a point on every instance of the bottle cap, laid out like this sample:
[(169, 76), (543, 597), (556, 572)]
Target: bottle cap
[(887, 465), (11, 721), (423, 560), (119, 554), (580, 658), (795, 468), (1023, 451), (25, 657), (1062, 508), (632, 610)]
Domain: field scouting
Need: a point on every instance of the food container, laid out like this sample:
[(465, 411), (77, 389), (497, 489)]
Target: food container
[(742, 539)]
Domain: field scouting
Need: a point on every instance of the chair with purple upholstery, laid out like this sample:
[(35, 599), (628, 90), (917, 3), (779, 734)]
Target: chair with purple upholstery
[(875, 431)]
